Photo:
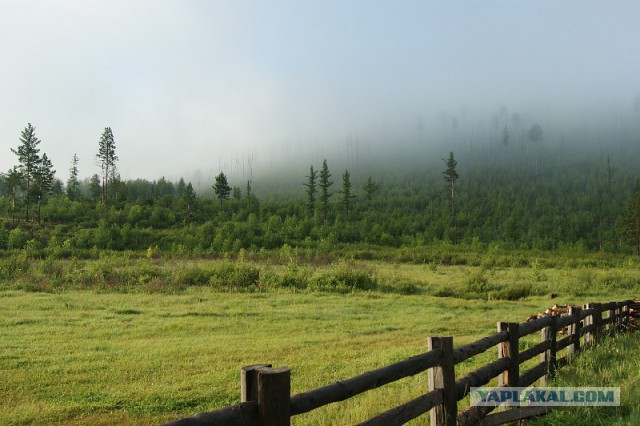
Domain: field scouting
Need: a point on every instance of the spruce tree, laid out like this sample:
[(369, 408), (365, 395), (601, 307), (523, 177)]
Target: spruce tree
[(347, 197), (73, 184), (325, 184), (107, 158), (370, 188), (312, 190), (29, 160)]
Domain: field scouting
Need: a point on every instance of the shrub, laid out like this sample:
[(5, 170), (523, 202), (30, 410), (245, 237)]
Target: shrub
[(17, 239), (343, 278), (230, 274)]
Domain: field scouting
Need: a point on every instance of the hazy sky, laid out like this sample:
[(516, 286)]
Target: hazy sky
[(186, 83)]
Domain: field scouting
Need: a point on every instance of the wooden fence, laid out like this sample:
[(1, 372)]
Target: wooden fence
[(266, 392)]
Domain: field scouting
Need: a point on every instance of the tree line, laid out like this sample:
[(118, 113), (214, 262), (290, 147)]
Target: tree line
[(548, 207)]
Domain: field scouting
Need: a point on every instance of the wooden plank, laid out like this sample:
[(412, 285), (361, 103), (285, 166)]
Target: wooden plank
[(480, 377), (587, 330), (565, 321), (529, 327), (407, 411), (535, 373), (244, 413), (274, 394), (513, 415), (443, 377), (345, 389), (465, 352), (564, 342), (533, 351)]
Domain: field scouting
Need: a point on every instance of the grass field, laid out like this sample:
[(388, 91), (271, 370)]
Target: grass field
[(97, 357)]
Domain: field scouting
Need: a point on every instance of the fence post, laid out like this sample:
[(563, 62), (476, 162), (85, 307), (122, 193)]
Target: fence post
[(443, 377), (588, 338), (249, 382), (549, 356), (509, 349), (597, 320), (274, 396), (611, 327), (574, 330), (625, 315)]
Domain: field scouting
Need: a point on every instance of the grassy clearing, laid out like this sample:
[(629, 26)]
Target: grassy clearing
[(103, 354)]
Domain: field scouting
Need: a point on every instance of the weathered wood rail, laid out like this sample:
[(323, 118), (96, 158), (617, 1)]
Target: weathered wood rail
[(266, 392)]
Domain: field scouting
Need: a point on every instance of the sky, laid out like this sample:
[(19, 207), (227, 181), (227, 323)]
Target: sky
[(203, 85)]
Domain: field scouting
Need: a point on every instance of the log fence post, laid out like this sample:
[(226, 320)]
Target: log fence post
[(443, 377), (509, 349), (574, 330), (274, 396), (611, 324), (597, 320), (588, 338), (249, 382), (549, 356)]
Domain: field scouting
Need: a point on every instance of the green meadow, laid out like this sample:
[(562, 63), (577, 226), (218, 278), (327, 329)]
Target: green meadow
[(92, 352)]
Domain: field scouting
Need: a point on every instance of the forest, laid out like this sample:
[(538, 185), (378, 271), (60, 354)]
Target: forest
[(510, 193)]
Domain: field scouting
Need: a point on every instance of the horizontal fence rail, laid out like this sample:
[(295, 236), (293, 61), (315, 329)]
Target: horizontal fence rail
[(266, 392)]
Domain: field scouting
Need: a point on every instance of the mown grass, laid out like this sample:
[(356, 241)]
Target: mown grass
[(114, 348)]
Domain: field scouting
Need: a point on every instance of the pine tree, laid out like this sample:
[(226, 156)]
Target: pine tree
[(347, 197), (325, 183), (222, 188), (312, 190), (73, 184), (451, 175), (107, 158), (370, 188), (29, 160), (189, 197)]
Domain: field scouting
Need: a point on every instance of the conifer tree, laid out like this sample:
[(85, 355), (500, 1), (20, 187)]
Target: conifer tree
[(29, 159), (43, 182), (312, 190), (347, 197), (325, 184), (95, 190), (628, 223), (189, 197), (370, 188), (107, 158), (222, 188), (73, 184), (451, 175)]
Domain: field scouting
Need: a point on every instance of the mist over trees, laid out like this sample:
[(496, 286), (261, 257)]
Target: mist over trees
[(525, 185)]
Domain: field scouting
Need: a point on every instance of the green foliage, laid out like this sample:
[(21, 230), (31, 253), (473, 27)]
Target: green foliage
[(17, 238)]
